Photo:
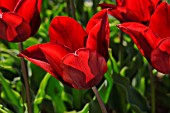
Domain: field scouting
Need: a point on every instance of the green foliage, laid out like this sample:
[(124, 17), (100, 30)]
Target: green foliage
[(125, 88)]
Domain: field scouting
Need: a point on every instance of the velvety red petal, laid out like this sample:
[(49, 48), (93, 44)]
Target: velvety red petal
[(99, 33), (8, 5), (36, 56), (141, 8), (117, 12), (160, 57), (119, 2), (47, 56), (156, 2), (30, 11), (142, 36), (105, 5), (160, 23), (54, 52), (14, 28), (68, 32), (83, 69)]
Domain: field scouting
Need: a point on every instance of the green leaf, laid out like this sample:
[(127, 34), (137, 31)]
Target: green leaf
[(55, 90), (41, 93), (106, 88), (136, 100), (85, 109), (11, 96), (3, 109), (94, 107)]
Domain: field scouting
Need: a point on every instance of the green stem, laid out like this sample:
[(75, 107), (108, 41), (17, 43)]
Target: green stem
[(102, 106), (153, 106), (25, 77)]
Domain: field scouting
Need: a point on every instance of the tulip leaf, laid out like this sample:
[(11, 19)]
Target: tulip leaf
[(41, 93), (94, 107), (55, 90), (3, 109), (77, 98), (136, 100), (9, 95), (85, 109), (106, 88)]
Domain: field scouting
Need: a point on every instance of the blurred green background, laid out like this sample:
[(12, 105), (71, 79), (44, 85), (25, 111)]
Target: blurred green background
[(125, 88)]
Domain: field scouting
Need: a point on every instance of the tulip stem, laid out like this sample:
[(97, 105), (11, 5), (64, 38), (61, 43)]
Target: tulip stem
[(25, 77), (152, 85), (71, 8), (102, 106)]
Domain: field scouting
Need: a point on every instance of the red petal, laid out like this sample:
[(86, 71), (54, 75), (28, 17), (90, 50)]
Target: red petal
[(84, 69), (36, 56), (48, 56), (119, 2), (99, 33), (142, 36), (105, 5), (160, 56), (141, 8), (54, 52), (160, 23), (156, 2), (8, 5), (27, 8), (68, 32), (30, 11), (123, 14), (14, 28)]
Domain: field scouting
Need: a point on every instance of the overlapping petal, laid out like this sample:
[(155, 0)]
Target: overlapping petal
[(160, 21), (156, 2), (48, 56), (68, 32), (141, 8), (160, 56), (142, 36), (19, 19), (8, 5), (30, 11), (84, 68), (99, 33), (14, 28), (132, 10)]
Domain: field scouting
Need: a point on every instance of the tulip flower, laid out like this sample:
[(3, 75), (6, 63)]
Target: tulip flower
[(153, 41), (75, 56), (19, 19), (132, 10)]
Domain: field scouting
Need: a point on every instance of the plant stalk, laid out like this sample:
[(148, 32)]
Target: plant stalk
[(71, 8), (102, 106), (25, 77), (152, 85)]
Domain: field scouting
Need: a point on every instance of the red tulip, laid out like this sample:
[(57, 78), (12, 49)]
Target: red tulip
[(19, 19), (75, 56), (132, 10), (153, 41)]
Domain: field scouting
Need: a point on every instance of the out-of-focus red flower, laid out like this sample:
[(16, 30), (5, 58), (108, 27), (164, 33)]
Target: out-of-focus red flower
[(75, 56), (132, 10), (19, 19), (153, 41)]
